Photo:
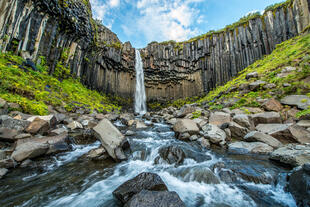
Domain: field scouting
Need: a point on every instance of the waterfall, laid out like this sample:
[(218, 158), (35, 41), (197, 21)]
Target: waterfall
[(140, 97)]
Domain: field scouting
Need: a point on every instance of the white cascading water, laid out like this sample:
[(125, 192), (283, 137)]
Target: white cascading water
[(140, 97)]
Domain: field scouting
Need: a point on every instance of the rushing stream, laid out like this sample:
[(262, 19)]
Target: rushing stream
[(69, 179)]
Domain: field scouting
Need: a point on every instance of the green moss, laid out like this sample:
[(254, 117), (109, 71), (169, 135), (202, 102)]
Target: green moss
[(35, 90), (196, 114)]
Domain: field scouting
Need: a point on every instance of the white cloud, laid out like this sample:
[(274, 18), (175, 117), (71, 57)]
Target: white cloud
[(166, 20), (99, 9), (114, 3)]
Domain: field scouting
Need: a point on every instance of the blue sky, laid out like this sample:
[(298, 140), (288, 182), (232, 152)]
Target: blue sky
[(144, 21)]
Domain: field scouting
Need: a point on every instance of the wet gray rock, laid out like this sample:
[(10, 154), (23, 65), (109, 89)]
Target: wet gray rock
[(3, 172), (219, 118), (243, 120), (286, 133), (299, 185), (301, 101), (255, 136), (97, 154), (237, 131), (51, 119), (186, 126), (187, 109), (214, 134), (29, 150), (272, 105), (8, 135), (171, 155), (9, 122), (143, 181), (75, 125), (304, 123), (155, 199), (292, 154), (38, 126), (111, 139), (58, 131), (249, 147), (266, 118)]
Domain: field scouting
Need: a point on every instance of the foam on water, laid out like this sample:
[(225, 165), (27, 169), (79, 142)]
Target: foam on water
[(192, 192)]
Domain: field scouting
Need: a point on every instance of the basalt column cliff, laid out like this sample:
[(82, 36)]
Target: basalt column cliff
[(178, 70), (63, 32)]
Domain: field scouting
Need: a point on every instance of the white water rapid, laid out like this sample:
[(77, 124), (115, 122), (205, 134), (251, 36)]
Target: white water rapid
[(140, 97)]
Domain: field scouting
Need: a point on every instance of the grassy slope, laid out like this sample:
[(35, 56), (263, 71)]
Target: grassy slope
[(34, 91), (294, 52)]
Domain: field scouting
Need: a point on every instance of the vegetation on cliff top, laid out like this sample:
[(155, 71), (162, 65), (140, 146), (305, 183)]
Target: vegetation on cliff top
[(294, 52), (35, 90), (243, 21)]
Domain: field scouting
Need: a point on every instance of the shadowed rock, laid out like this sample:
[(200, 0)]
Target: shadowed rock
[(144, 181)]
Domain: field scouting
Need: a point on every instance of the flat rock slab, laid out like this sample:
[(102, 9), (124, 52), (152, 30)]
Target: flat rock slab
[(219, 118), (29, 150), (286, 133), (186, 126), (144, 181), (51, 119), (8, 135), (111, 139), (255, 136), (292, 154), (249, 147), (266, 118), (301, 101), (155, 199)]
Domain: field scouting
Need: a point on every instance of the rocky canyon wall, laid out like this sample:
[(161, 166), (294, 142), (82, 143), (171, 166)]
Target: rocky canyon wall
[(193, 68), (54, 29), (63, 32)]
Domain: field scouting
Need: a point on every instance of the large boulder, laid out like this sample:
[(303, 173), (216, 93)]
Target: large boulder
[(186, 126), (299, 185), (29, 150), (214, 134), (9, 122), (243, 120), (301, 101), (143, 181), (286, 133), (8, 135), (51, 119), (272, 105), (237, 131), (187, 109), (255, 136), (249, 147), (219, 118), (58, 143), (155, 199), (111, 139), (171, 154), (266, 118), (292, 154), (38, 126)]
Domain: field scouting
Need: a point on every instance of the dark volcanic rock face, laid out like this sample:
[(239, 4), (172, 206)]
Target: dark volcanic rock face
[(51, 28), (195, 67)]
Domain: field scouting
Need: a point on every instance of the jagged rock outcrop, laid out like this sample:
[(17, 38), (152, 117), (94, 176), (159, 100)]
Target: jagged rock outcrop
[(64, 31)]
